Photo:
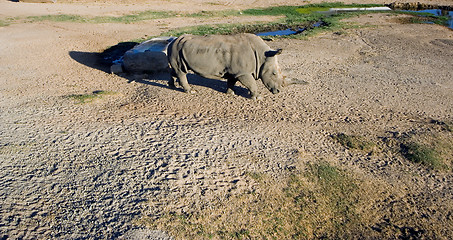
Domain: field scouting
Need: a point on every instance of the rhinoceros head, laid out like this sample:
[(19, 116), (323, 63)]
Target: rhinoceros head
[(271, 74)]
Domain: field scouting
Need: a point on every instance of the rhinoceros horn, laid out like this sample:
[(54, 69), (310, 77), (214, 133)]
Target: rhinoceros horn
[(290, 80)]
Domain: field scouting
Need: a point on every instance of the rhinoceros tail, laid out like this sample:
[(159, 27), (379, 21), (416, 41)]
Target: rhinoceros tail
[(175, 56)]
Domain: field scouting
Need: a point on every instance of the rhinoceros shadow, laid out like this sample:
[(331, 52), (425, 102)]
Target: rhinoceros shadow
[(89, 59), (161, 80), (103, 61)]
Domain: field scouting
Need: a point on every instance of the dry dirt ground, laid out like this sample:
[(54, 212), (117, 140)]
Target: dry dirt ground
[(72, 170)]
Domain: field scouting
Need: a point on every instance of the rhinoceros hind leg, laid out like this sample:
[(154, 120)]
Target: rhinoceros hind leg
[(184, 83), (171, 82), (231, 81), (249, 82)]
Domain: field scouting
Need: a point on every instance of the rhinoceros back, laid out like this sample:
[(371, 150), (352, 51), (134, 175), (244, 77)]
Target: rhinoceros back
[(213, 56)]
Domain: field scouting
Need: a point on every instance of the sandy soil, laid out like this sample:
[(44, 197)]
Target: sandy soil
[(83, 171), (120, 7)]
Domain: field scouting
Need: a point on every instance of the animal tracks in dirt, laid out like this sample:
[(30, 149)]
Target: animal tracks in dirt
[(73, 170)]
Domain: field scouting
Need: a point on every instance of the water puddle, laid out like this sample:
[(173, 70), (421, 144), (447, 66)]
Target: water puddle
[(290, 31), (284, 32), (332, 11), (438, 13)]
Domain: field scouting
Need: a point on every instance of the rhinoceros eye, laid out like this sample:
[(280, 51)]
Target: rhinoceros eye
[(274, 72)]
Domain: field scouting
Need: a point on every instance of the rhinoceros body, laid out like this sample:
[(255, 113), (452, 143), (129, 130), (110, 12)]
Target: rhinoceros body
[(242, 57)]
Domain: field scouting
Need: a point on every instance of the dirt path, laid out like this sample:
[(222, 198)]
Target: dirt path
[(85, 171)]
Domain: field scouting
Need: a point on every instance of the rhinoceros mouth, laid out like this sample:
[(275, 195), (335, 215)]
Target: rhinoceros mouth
[(275, 90)]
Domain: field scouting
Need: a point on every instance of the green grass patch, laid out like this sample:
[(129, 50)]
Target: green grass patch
[(3, 23), (228, 29), (295, 11), (8, 21), (431, 145), (354, 142), (58, 18), (141, 16), (204, 29), (310, 10), (208, 14), (423, 154), (332, 199), (86, 98), (292, 14), (272, 11)]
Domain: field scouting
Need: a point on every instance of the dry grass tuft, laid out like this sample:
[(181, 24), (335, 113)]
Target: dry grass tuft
[(86, 98), (432, 149), (318, 202), (354, 142)]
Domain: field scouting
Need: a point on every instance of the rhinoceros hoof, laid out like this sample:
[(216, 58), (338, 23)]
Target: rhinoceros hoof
[(191, 91), (230, 92), (259, 98)]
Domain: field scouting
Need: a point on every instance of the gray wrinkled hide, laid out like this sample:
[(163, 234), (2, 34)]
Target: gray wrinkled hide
[(242, 57), (149, 56)]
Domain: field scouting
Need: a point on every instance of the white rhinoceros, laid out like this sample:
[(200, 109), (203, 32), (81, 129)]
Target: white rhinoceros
[(242, 57)]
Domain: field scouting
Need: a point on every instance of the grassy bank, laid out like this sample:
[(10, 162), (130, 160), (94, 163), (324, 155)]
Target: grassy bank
[(292, 17), (295, 17), (141, 16)]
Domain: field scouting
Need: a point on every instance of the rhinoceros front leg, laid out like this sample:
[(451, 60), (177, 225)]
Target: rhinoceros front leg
[(249, 82)]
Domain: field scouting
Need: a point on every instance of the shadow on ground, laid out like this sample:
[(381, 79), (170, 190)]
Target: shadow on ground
[(103, 60), (161, 80)]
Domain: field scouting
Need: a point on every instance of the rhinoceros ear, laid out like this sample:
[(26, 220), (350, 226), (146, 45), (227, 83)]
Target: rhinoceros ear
[(272, 53)]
